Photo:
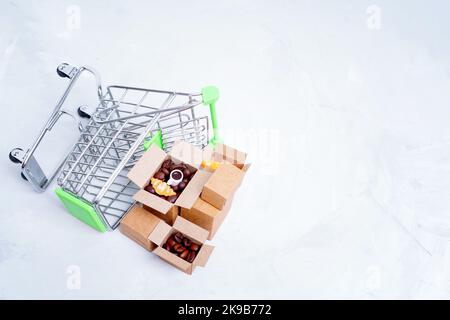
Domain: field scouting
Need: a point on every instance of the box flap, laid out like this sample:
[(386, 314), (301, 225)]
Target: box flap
[(244, 170), (173, 260), (230, 154), (153, 201), (246, 167), (147, 165), (192, 191), (203, 255), (225, 180), (192, 230), (187, 153), (158, 235)]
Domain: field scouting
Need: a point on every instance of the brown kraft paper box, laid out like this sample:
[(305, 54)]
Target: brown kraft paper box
[(137, 225), (168, 217), (206, 215), (151, 161), (163, 231), (226, 179)]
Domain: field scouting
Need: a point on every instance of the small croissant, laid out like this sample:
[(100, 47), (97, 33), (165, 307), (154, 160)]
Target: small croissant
[(162, 188)]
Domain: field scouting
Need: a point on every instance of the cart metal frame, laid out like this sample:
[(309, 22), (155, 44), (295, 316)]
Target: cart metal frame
[(92, 178)]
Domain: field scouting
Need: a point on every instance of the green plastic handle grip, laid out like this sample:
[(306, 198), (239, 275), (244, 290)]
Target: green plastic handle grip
[(210, 95)]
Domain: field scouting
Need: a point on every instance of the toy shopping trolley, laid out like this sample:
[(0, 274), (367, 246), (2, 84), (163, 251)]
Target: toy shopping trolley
[(92, 178)]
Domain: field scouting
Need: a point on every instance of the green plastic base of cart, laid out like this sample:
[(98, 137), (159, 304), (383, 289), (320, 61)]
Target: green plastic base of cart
[(81, 210)]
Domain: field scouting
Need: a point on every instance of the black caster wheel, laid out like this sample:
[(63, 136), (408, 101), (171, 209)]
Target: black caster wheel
[(60, 73), (13, 155), (82, 112), (23, 176)]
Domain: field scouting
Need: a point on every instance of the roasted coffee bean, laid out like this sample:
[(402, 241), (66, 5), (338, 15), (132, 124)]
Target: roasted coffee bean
[(180, 248), (160, 175), (175, 188), (187, 242), (171, 242), (181, 186), (172, 199), (191, 256), (186, 180), (184, 254), (167, 163), (194, 247), (186, 173), (150, 189), (177, 166), (165, 171), (178, 237)]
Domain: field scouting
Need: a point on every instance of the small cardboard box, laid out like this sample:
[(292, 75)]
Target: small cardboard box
[(168, 217), (206, 215), (151, 162), (226, 179), (163, 231), (137, 225)]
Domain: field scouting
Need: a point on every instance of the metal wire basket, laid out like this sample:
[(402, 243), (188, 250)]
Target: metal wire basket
[(92, 179)]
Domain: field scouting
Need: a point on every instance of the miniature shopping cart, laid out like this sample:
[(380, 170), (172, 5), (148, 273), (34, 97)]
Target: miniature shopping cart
[(92, 178)]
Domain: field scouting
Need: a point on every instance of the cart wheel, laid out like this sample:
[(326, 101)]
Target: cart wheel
[(60, 73), (83, 113), (14, 155), (23, 176)]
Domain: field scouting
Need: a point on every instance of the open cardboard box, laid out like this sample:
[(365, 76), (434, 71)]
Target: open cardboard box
[(137, 225), (198, 235), (206, 215), (151, 162), (226, 179)]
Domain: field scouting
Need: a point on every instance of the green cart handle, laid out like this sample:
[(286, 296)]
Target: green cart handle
[(210, 95)]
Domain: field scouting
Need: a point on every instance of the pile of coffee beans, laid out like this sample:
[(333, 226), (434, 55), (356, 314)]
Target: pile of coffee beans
[(182, 247), (163, 174)]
